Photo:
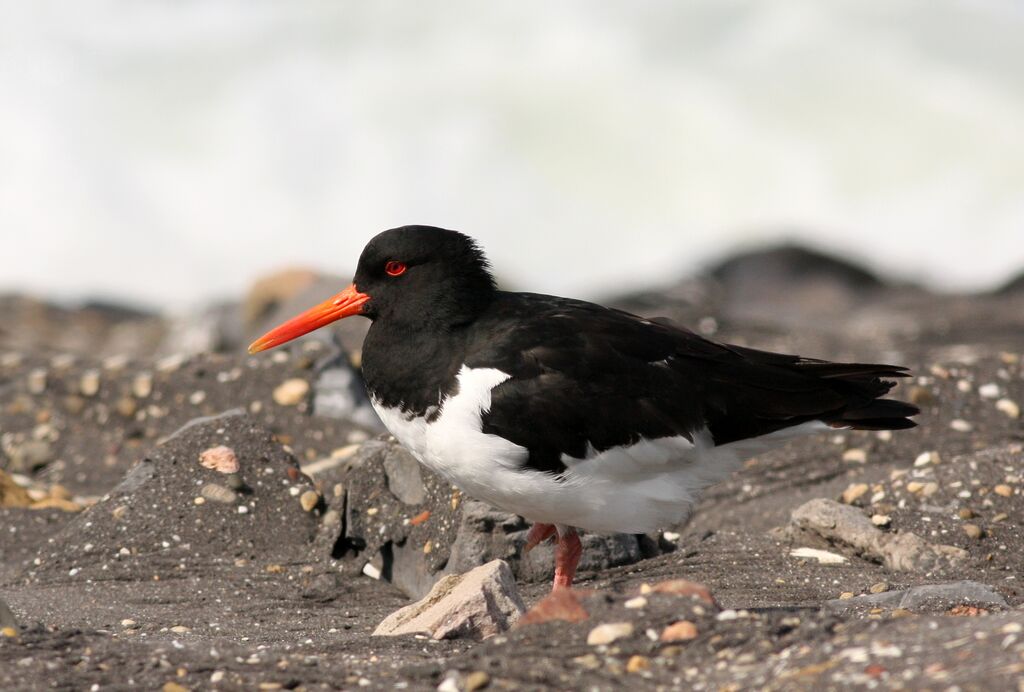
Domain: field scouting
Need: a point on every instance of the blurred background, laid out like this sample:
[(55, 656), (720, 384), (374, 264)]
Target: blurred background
[(166, 154)]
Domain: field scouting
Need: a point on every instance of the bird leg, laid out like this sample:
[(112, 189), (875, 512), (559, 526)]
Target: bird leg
[(567, 556), (538, 534)]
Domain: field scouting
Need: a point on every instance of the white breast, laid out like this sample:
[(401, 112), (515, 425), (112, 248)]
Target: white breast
[(629, 489)]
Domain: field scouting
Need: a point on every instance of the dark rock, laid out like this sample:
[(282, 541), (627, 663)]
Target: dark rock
[(788, 264), (412, 528)]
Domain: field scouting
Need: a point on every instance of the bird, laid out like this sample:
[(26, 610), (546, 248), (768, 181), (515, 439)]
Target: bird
[(576, 416)]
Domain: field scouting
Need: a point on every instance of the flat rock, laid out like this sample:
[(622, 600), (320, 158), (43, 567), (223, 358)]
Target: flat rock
[(843, 524), (928, 597), (475, 605)]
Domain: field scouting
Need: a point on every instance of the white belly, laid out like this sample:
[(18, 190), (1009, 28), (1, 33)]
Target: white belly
[(634, 489)]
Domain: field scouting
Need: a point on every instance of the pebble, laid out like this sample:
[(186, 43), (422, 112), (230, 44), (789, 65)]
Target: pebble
[(855, 456), (129, 623), (988, 391), (142, 385), (89, 385), (197, 397), (609, 632), (1002, 516), (174, 687), (966, 513), (9, 632), (846, 595), (126, 406), (221, 458), (915, 487), (925, 458), (1009, 407), (973, 531), (179, 629), (681, 631), (930, 489), (960, 425), (881, 519), (217, 676), (477, 680), (291, 392), (218, 493), (854, 492), (1003, 490), (637, 663), (309, 500), (36, 381), (634, 603), (880, 587)]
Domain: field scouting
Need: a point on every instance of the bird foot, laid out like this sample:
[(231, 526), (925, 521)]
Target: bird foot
[(538, 534), (568, 551)]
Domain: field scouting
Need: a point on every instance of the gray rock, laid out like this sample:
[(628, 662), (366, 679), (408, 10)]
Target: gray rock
[(30, 455), (7, 618), (414, 528), (338, 391), (404, 479), (202, 420), (847, 525), (929, 597), (476, 605)]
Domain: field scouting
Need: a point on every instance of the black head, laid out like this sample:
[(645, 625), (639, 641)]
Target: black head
[(413, 277), (423, 275)]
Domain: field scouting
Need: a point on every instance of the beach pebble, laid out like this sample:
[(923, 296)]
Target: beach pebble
[(89, 385), (960, 425), (925, 458), (855, 456), (988, 391), (1003, 490), (1008, 406), (609, 632), (291, 392), (854, 492), (36, 381), (220, 458), (309, 500), (681, 631), (973, 531), (218, 493)]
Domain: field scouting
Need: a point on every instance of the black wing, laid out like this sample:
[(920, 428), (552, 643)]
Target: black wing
[(588, 377)]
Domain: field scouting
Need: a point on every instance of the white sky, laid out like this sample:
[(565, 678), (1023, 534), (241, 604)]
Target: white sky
[(169, 152)]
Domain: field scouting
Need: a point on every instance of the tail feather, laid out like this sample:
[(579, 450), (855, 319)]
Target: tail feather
[(880, 414)]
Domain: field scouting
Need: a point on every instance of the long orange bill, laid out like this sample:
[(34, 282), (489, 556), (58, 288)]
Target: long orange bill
[(347, 303)]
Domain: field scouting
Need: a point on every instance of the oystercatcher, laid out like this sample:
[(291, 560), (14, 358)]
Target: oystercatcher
[(573, 415)]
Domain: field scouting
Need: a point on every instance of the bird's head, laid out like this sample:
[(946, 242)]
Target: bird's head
[(412, 276)]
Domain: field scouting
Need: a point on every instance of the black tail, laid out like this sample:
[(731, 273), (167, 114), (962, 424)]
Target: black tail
[(880, 414)]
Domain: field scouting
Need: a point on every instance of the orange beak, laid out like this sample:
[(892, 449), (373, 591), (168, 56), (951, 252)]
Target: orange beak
[(347, 303)]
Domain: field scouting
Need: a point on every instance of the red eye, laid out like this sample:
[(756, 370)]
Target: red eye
[(394, 268)]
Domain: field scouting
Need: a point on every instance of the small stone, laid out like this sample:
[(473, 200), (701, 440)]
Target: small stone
[(1010, 407), (89, 385), (197, 397), (218, 493), (855, 456), (179, 629), (1003, 490), (681, 631), (634, 603), (921, 396), (881, 519), (309, 500), (291, 392), (126, 406), (220, 458), (174, 687), (960, 425), (609, 632), (119, 512), (846, 595), (966, 513), (1002, 516), (477, 680), (824, 557), (988, 391), (199, 500), (915, 487), (925, 458), (36, 381), (930, 489), (560, 605), (129, 623), (142, 385), (217, 676), (8, 632), (973, 531), (880, 587), (588, 661), (637, 664), (854, 492)]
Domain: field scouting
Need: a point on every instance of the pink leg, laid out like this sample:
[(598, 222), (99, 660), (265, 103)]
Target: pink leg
[(567, 557), (538, 534)]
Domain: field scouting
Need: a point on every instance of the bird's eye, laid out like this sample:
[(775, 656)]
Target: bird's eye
[(395, 268)]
